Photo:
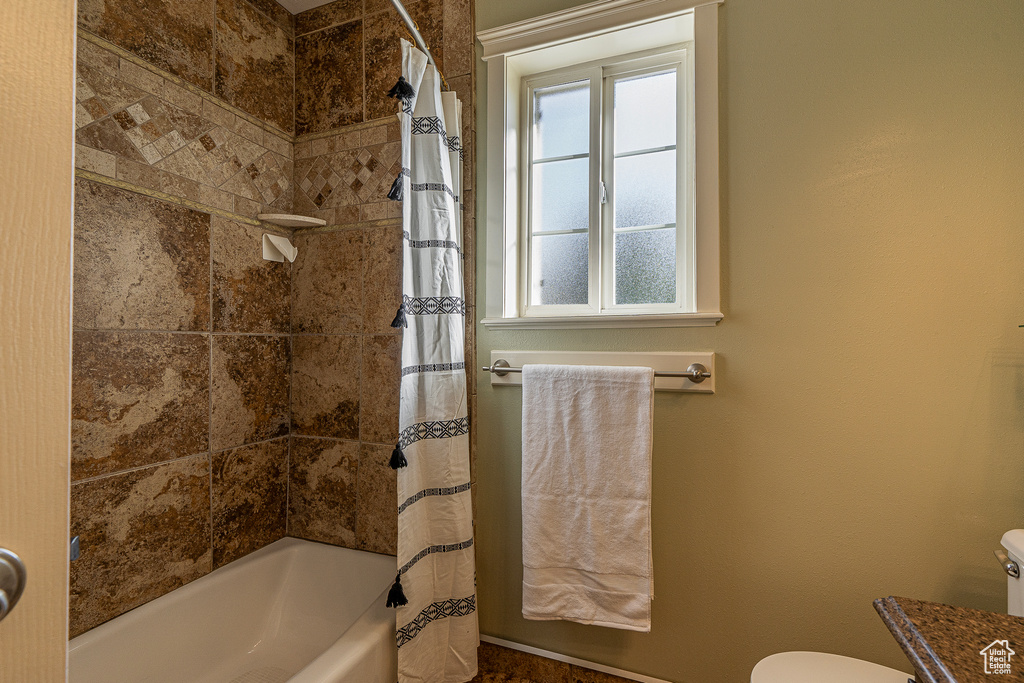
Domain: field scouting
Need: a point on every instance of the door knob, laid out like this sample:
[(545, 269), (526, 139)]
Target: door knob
[(12, 581)]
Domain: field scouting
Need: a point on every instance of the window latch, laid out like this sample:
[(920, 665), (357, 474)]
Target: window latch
[(604, 193)]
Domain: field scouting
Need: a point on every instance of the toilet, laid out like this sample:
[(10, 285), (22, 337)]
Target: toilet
[(820, 667)]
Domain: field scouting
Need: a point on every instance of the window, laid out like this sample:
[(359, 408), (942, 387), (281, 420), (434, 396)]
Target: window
[(607, 188), (602, 194)]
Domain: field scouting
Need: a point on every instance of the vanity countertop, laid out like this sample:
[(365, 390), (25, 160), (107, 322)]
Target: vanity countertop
[(944, 644)]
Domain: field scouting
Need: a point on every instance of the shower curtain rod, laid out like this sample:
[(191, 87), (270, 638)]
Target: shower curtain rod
[(420, 43)]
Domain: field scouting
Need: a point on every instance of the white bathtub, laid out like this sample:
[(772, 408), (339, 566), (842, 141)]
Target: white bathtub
[(293, 611)]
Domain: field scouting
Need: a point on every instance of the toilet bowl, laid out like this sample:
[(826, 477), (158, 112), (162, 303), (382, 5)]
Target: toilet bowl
[(821, 667)]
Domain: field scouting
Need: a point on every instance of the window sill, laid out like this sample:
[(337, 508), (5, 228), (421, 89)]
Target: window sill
[(702, 319)]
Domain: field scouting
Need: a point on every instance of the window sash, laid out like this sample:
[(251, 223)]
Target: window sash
[(679, 61), (600, 269)]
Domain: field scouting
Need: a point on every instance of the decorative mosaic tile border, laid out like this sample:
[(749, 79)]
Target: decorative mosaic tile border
[(193, 89)]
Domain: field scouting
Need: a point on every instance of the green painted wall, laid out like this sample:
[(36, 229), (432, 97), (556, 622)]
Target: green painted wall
[(867, 437)]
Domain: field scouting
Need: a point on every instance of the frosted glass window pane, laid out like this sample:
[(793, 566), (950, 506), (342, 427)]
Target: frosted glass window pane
[(645, 112), (561, 120), (645, 267), (559, 269), (645, 190), (560, 195)]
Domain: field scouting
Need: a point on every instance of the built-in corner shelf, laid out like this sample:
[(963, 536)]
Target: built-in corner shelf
[(288, 220)]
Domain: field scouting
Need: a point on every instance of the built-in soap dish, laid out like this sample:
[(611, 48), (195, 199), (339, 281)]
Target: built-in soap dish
[(288, 220)]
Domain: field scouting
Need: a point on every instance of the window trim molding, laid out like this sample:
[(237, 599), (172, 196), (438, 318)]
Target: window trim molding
[(504, 103)]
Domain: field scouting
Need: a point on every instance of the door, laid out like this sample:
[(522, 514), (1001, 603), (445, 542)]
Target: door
[(36, 179)]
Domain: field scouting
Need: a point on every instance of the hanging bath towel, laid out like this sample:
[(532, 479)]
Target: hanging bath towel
[(587, 494), (437, 628)]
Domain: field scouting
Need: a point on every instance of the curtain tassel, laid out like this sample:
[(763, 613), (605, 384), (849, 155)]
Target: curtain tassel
[(398, 458), (400, 320), (397, 189), (402, 90), (396, 596)]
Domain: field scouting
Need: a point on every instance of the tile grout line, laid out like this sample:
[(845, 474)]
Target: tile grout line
[(362, 20), (185, 457), (363, 261), (118, 473), (291, 386), (112, 330), (209, 430)]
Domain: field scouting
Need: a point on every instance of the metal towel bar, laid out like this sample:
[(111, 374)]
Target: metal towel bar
[(696, 372)]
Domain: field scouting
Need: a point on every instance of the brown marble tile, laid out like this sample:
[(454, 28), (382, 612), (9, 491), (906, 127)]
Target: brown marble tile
[(139, 263), (105, 135), (331, 14), (145, 131), (176, 186), (505, 665), (249, 293), (174, 36), (582, 675), (255, 63), (325, 386), (95, 57), (137, 398), (96, 161), (382, 379), (280, 16), (327, 283), (322, 490), (458, 38), (377, 519), (382, 279), (329, 78), (142, 533), (384, 54), (250, 389), (250, 499)]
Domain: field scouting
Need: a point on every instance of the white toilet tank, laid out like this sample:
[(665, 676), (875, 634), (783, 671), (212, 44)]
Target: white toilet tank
[(1013, 541)]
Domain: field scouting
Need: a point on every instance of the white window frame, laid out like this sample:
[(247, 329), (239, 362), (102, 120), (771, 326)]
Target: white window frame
[(576, 37)]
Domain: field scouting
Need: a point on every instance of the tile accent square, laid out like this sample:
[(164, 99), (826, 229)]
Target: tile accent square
[(139, 263), (322, 490), (137, 398), (250, 499), (142, 534), (250, 389), (325, 386)]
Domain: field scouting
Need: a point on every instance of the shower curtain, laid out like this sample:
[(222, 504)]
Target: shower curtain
[(437, 628)]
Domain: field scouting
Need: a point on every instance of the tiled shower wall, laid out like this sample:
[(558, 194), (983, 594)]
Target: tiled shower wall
[(347, 154), (221, 401)]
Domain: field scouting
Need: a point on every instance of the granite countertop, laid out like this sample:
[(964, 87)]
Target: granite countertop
[(944, 643)]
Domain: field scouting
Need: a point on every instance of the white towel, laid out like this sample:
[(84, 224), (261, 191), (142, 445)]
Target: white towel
[(587, 494)]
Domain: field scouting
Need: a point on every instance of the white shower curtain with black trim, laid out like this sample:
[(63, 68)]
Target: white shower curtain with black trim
[(437, 629)]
